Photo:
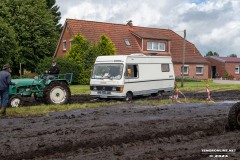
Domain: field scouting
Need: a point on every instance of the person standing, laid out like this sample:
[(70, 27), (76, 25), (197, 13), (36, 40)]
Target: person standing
[(5, 81)]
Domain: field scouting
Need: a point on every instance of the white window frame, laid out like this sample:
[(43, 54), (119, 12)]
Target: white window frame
[(199, 66), (71, 43), (64, 45), (238, 69), (187, 66), (159, 47)]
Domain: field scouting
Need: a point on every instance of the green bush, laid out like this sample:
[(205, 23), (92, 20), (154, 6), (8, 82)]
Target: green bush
[(85, 53), (186, 79), (65, 65), (226, 74)]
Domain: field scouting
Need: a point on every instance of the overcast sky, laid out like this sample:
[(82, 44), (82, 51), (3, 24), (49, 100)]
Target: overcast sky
[(212, 25)]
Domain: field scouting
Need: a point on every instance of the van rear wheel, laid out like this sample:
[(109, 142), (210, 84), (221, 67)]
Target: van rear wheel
[(128, 97)]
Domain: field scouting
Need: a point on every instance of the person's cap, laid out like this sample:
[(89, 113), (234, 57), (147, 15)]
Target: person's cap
[(6, 66)]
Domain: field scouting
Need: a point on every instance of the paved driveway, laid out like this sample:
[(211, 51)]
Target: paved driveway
[(226, 81)]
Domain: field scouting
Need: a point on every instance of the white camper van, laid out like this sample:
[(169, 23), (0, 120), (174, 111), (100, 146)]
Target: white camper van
[(125, 76)]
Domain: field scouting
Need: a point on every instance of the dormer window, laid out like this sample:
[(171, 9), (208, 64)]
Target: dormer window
[(155, 46), (127, 42)]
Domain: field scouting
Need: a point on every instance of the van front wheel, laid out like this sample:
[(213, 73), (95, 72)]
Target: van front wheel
[(128, 97)]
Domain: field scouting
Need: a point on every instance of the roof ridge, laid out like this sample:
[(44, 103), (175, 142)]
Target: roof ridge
[(95, 21), (167, 29)]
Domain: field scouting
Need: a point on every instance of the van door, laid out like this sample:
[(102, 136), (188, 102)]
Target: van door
[(131, 76)]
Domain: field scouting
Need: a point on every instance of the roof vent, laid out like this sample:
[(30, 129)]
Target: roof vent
[(130, 23)]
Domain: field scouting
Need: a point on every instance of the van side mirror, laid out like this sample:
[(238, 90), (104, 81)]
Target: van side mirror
[(129, 71)]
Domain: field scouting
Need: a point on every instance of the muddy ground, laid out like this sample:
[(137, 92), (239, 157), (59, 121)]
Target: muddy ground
[(128, 131)]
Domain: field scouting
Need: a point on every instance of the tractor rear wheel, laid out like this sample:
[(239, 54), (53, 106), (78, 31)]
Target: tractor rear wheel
[(56, 93), (234, 116), (15, 101)]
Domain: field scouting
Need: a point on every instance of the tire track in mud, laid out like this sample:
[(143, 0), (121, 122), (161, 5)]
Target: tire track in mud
[(123, 131), (129, 138)]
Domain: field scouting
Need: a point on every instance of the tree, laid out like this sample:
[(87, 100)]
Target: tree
[(55, 12), (7, 42), (85, 54), (232, 55), (210, 53), (105, 46), (81, 52), (35, 30)]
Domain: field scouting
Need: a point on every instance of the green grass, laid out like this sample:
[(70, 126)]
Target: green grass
[(42, 110), (188, 86), (201, 86), (80, 89)]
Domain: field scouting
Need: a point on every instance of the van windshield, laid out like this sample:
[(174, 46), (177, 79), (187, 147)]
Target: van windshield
[(107, 71)]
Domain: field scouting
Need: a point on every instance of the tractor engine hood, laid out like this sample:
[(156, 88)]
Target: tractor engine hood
[(26, 81)]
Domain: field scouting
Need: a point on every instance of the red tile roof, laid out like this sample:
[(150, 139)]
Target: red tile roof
[(119, 32), (227, 59), (150, 35)]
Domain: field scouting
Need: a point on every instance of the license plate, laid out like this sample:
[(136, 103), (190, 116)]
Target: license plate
[(103, 96), (104, 92)]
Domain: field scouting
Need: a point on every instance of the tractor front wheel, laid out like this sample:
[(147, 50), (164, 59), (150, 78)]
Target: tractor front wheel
[(56, 93), (15, 101), (234, 116)]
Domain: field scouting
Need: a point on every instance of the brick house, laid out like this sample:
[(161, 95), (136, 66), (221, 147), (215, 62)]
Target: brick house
[(130, 39), (219, 66)]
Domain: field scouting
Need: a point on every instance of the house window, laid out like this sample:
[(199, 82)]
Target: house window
[(185, 69), (131, 71), (64, 45), (236, 69), (165, 67), (127, 42), (155, 46), (71, 43), (199, 69)]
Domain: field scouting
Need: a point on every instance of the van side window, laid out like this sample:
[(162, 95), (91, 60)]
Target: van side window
[(134, 71), (165, 67)]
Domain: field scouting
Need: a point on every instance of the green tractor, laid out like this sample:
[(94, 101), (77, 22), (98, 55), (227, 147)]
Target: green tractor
[(52, 90), (234, 117)]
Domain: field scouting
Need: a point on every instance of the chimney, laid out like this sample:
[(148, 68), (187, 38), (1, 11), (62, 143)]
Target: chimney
[(129, 23)]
